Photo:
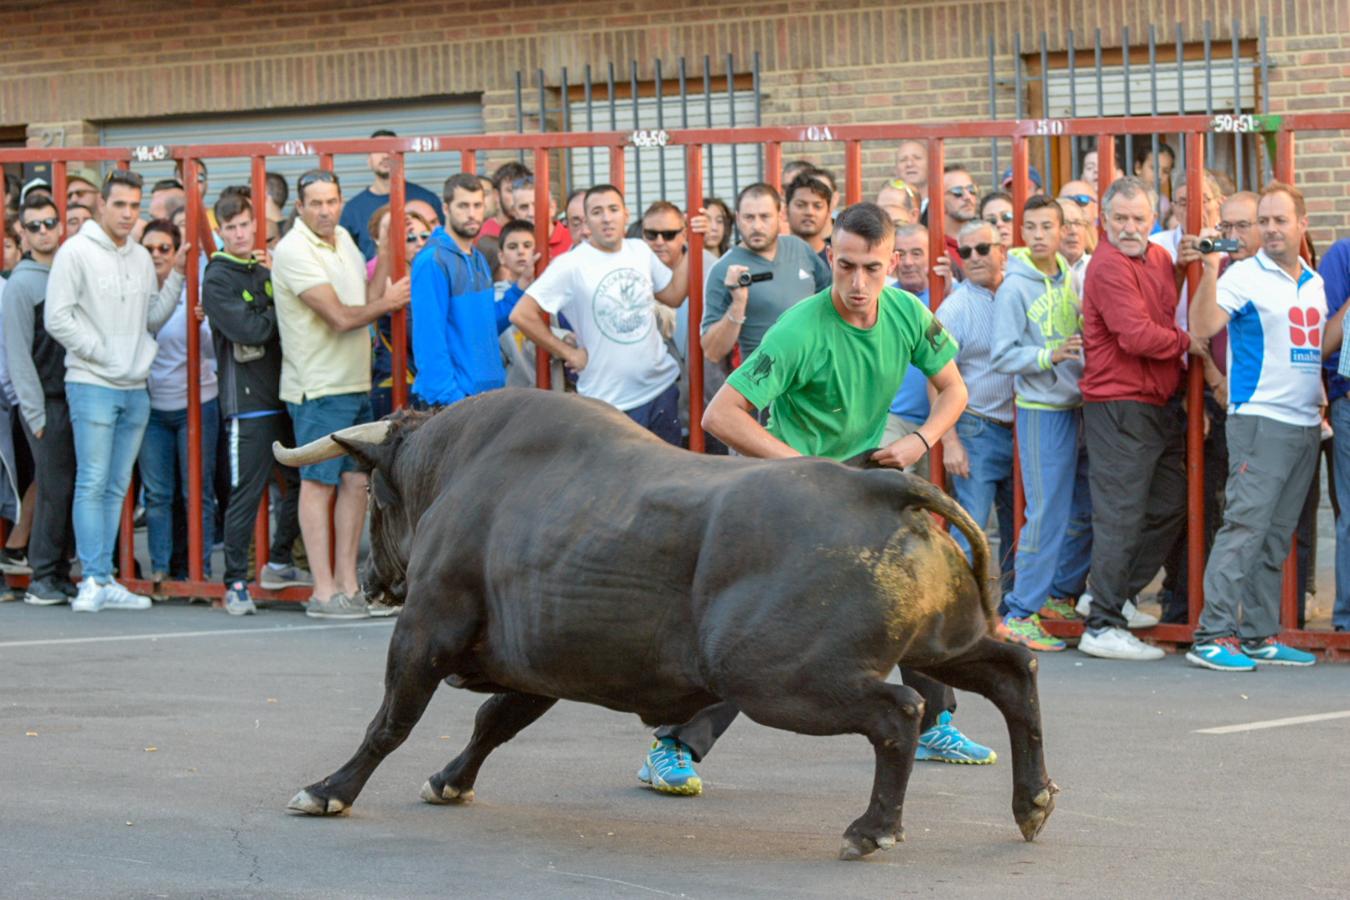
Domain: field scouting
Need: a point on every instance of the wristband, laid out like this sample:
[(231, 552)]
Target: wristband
[(740, 321), (926, 446)]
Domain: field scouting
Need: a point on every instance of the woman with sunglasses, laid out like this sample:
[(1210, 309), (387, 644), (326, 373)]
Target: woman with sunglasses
[(164, 450), (996, 208), (417, 231)]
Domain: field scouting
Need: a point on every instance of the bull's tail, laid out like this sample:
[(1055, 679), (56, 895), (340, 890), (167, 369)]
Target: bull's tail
[(920, 493)]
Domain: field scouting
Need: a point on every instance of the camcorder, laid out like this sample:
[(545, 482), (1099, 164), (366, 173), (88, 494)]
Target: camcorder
[(749, 278), (1217, 245)]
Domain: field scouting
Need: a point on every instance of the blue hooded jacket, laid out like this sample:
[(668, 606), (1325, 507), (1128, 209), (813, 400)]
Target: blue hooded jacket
[(456, 321)]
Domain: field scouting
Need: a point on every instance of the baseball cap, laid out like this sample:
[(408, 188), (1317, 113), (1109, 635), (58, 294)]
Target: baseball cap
[(85, 174), (1034, 175), (31, 185)]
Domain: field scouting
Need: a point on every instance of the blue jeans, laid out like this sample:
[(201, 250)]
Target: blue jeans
[(989, 447), (1340, 423), (1054, 548), (108, 426), (164, 469)]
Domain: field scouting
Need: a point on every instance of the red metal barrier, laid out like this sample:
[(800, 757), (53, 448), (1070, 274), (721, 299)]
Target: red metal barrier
[(851, 137)]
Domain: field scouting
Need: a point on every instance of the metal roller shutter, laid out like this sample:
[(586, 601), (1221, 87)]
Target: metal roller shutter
[(443, 116)]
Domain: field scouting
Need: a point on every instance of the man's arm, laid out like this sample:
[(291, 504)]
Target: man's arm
[(718, 338), (528, 317), (1008, 354), (677, 289), (165, 301), (61, 313), (326, 305), (19, 325), (729, 419), (1331, 340), (948, 404), (1207, 318)]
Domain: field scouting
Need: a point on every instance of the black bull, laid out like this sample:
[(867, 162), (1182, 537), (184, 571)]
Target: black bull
[(548, 548)]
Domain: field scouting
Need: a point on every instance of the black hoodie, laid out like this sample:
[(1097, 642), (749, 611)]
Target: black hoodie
[(237, 297)]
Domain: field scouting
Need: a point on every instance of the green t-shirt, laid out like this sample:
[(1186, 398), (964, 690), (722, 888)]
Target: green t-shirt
[(828, 384)]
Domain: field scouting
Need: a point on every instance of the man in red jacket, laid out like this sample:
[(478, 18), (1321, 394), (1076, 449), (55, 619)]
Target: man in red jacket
[(1134, 425)]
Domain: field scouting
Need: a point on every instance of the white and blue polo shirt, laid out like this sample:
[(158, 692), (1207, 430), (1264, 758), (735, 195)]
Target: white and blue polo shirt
[(1275, 333)]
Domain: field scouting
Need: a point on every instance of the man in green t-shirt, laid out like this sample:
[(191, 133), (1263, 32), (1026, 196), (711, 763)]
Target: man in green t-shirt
[(827, 371)]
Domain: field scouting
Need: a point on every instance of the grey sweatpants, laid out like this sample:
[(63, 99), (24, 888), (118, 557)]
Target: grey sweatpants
[(1270, 465)]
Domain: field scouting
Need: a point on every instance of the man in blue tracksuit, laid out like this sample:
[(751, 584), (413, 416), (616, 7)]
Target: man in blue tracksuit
[(456, 317)]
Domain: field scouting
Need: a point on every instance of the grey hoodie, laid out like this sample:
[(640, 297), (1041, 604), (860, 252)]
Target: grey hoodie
[(1033, 314), (104, 304), (23, 302)]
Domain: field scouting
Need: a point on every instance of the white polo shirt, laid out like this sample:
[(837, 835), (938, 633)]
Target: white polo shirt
[(1275, 329), (317, 361)]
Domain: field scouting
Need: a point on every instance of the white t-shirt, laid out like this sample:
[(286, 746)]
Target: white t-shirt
[(1275, 331), (607, 299)]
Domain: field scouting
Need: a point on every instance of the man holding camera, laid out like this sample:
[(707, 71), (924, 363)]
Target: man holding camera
[(782, 270), (1275, 309)]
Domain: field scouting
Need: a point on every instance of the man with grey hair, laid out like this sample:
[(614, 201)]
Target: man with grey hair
[(1134, 425), (1170, 240), (978, 452)]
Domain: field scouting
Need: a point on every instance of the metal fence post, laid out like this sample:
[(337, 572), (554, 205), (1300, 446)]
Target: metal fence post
[(398, 249), (693, 180), (1195, 396)]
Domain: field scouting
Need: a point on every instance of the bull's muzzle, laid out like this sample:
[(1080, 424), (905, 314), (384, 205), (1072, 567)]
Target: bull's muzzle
[(326, 448)]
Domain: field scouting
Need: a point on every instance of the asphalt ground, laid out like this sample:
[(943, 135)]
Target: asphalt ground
[(152, 755)]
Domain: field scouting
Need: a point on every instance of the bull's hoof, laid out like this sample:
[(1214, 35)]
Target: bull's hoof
[(307, 803), (1044, 804), (447, 795), (856, 846)]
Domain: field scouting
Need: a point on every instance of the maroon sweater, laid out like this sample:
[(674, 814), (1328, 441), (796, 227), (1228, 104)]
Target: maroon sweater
[(1132, 347)]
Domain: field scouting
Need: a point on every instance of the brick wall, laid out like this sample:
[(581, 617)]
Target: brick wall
[(849, 61)]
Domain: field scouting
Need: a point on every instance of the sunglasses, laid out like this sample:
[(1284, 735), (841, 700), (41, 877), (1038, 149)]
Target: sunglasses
[(1080, 199), (652, 234), (419, 236), (999, 217), (963, 189), (159, 249), (319, 175), (522, 183), (37, 225), (982, 248)]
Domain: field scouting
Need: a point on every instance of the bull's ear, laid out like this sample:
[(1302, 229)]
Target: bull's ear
[(370, 456), (383, 490)]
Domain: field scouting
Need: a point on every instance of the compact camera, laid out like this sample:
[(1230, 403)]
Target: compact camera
[(1217, 245)]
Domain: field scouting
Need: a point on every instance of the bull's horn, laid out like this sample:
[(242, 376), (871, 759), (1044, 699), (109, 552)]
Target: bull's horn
[(325, 448)]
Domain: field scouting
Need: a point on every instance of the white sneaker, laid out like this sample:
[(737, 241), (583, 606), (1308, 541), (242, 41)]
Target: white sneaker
[(1084, 605), (1117, 643), (1136, 618), (117, 597), (91, 597)]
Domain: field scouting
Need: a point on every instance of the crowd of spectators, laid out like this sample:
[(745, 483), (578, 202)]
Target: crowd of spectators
[(1073, 337)]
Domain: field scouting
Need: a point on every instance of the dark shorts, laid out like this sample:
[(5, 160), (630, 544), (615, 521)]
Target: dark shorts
[(661, 416), (322, 416)]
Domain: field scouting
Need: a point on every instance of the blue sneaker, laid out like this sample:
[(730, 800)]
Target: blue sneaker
[(1272, 653), (944, 743), (670, 770), (1221, 655)]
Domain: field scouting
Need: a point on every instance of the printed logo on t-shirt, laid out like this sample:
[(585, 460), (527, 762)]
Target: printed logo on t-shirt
[(622, 306), (803, 274), (1305, 333)]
